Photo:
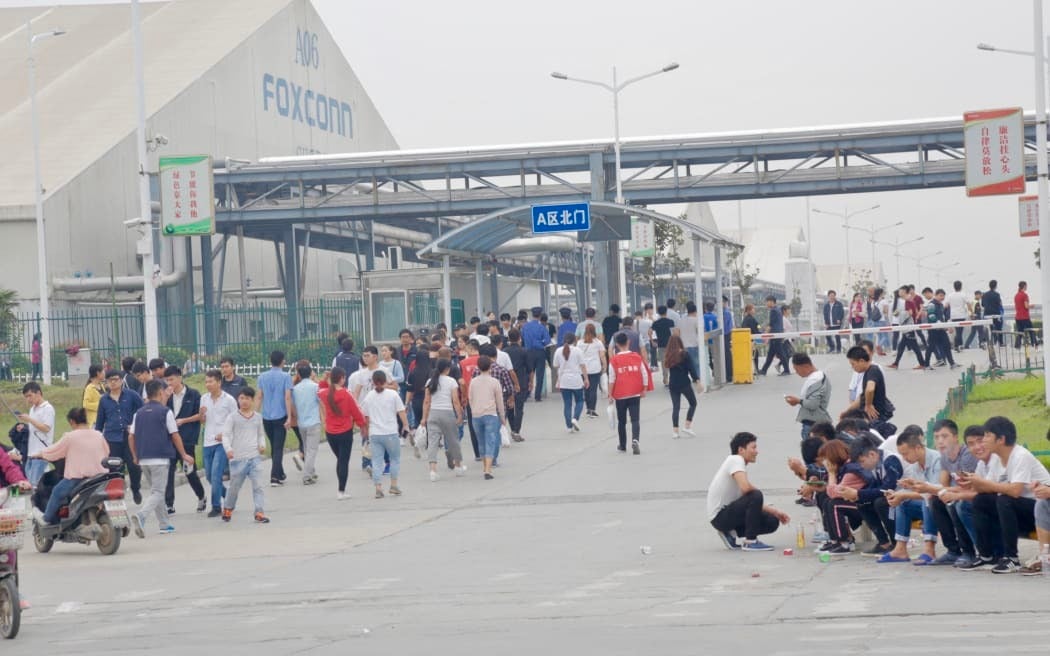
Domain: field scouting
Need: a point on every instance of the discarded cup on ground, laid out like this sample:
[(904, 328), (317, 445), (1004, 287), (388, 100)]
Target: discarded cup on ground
[(825, 558), (646, 549), (789, 552)]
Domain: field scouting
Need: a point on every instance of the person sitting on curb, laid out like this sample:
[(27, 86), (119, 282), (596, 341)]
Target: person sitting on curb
[(885, 469), (735, 507), (923, 466)]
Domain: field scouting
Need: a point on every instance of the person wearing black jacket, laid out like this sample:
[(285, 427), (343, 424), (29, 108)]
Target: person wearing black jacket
[(834, 315), (885, 469), (679, 364), (993, 309), (776, 344), (185, 403), (751, 323), (19, 436)]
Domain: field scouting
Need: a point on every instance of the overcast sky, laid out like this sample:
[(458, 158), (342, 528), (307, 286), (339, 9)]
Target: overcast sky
[(467, 72)]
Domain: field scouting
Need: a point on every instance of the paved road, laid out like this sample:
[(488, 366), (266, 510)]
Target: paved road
[(547, 555)]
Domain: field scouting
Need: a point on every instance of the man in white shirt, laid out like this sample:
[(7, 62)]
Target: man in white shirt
[(921, 465), (958, 310), (856, 383), (1014, 501), (216, 408), (672, 313), (735, 507), (41, 424)]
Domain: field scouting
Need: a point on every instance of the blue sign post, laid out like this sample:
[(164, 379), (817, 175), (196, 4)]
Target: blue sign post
[(563, 217)]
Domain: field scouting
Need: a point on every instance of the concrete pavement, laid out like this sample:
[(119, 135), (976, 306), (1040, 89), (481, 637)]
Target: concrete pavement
[(547, 555)]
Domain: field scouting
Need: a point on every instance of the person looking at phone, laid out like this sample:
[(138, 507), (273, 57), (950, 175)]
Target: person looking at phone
[(735, 507), (922, 466), (884, 469), (841, 516), (41, 424), (812, 400)]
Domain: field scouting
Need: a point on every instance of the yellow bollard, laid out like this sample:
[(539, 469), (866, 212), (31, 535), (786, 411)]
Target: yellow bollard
[(742, 347)]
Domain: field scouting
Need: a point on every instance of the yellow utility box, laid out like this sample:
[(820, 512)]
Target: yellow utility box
[(742, 347)]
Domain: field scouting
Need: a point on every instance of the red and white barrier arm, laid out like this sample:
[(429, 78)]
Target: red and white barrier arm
[(761, 337)]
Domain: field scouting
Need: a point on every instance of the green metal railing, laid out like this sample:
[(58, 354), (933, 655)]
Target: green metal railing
[(956, 399)]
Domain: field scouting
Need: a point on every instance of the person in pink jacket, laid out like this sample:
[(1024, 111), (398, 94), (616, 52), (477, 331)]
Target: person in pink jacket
[(841, 515)]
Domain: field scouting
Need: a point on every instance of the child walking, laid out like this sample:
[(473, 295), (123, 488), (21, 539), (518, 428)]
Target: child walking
[(244, 441)]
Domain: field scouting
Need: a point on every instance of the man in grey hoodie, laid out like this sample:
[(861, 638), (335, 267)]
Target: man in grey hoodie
[(812, 401)]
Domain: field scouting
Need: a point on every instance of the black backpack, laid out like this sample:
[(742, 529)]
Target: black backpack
[(874, 313), (348, 361)]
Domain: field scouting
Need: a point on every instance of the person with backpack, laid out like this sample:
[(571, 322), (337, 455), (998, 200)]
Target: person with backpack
[(346, 359), (877, 311)]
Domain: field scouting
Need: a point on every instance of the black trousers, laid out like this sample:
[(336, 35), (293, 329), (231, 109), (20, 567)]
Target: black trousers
[(939, 345), (728, 346), (876, 515), (191, 476), (746, 517), (517, 415), (909, 341), (536, 361), (1025, 332), (473, 435), (631, 406), (986, 523), (276, 433), (121, 450), (776, 349), (841, 518), (341, 444), (676, 404), (590, 395), (976, 331), (997, 330), (1016, 517), (953, 533)]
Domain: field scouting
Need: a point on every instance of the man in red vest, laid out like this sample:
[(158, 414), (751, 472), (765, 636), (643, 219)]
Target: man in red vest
[(628, 382)]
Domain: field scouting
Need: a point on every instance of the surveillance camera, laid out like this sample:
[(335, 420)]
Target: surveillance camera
[(134, 222)]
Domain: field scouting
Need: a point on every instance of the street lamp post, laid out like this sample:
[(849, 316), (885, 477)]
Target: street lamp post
[(938, 270), (872, 231), (615, 88), (1039, 58), (897, 243), (845, 215), (919, 257), (38, 198)]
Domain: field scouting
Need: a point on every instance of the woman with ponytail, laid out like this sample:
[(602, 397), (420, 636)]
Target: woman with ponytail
[(339, 411), (442, 416), (572, 379)]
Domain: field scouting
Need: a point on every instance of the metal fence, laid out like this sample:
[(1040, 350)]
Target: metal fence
[(1014, 352)]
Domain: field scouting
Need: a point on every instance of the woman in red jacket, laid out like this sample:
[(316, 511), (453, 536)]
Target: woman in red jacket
[(339, 411), (628, 381)]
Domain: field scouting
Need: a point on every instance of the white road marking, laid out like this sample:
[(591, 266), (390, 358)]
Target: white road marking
[(507, 576), (135, 595), (69, 607)]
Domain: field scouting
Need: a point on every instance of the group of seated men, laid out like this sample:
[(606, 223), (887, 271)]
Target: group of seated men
[(980, 495)]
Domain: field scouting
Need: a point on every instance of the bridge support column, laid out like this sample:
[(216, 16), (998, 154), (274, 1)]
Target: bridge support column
[(291, 284), (705, 371)]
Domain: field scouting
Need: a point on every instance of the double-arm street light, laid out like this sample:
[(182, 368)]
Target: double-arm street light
[(846, 215), (897, 243), (615, 88), (871, 232), (38, 198)]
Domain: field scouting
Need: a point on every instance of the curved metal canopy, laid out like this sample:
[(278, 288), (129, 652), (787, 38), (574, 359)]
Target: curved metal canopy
[(482, 235)]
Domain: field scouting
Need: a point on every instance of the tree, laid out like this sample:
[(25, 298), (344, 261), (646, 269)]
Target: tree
[(667, 243), (8, 302), (743, 274), (863, 282)]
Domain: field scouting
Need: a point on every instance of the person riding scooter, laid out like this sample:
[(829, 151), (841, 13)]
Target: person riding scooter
[(83, 449)]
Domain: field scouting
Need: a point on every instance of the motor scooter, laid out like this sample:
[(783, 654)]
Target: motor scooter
[(96, 512), (14, 520)]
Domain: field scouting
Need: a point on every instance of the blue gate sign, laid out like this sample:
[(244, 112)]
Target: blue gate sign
[(564, 217)]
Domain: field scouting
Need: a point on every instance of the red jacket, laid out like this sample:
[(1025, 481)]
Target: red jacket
[(628, 375), (10, 473)]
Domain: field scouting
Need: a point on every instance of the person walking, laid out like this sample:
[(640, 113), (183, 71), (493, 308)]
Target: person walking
[(442, 416), (535, 338), (689, 330), (383, 407), (36, 354), (856, 316), (1023, 317), (628, 383), (339, 411), (93, 391), (185, 403), (308, 419), (275, 402), (751, 323), (662, 329), (5, 361), (776, 344), (244, 440), (154, 441), (992, 303), (485, 396), (520, 368), (594, 359), (909, 312), (683, 377), (572, 380), (216, 407)]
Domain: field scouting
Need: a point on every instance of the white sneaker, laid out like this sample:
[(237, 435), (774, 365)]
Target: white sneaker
[(576, 425), (434, 476), (570, 430), (461, 470), (675, 435), (689, 432), (404, 442), (342, 496)]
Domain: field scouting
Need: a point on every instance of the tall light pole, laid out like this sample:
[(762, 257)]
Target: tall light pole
[(872, 231), (615, 88), (846, 215), (919, 257), (937, 271), (1039, 58), (897, 243), (149, 269), (38, 198)]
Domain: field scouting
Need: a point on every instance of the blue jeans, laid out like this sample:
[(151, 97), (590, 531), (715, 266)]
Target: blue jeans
[(240, 469), (569, 397), (487, 429), (964, 509), (215, 462), (911, 510), (59, 496), (35, 468), (694, 353), (882, 339), (385, 446), (806, 425)]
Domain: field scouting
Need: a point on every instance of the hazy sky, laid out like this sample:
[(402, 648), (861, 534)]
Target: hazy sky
[(467, 72)]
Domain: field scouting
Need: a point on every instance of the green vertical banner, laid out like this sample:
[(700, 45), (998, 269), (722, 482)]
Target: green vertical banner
[(187, 196)]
